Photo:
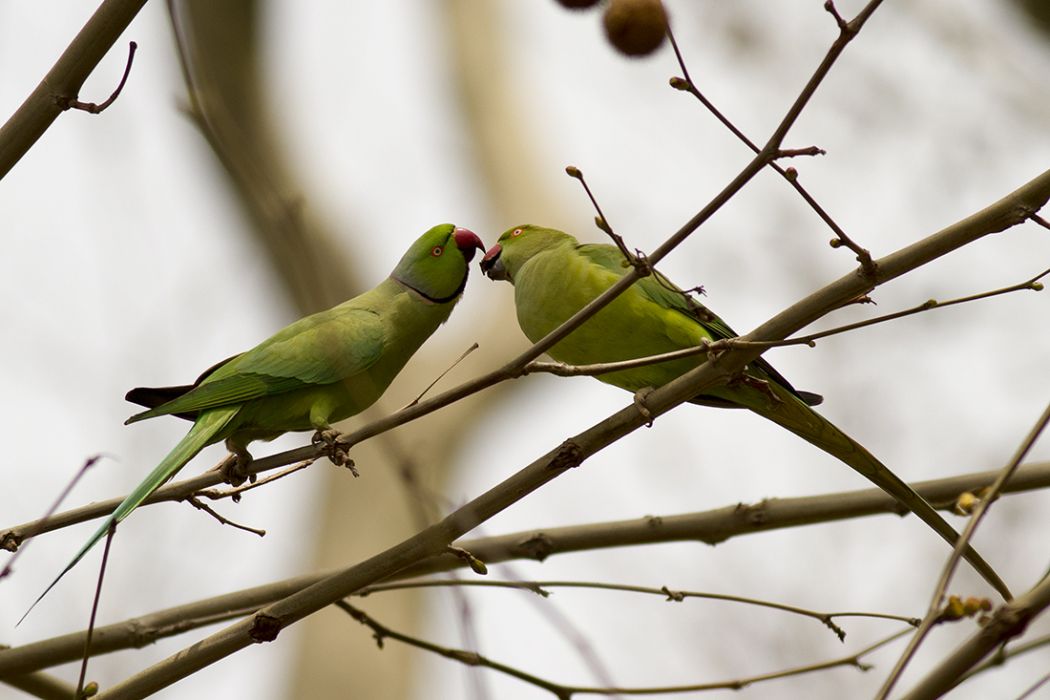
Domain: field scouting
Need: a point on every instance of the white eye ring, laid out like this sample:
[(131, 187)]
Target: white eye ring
[(437, 251), (517, 232)]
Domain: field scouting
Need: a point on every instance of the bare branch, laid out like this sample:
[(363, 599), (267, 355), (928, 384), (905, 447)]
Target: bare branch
[(564, 692), (686, 84), (675, 596), (953, 561), (11, 546), (712, 527), (199, 505), (92, 107), (1007, 622), (94, 611), (472, 348), (601, 221), (235, 493), (1031, 284)]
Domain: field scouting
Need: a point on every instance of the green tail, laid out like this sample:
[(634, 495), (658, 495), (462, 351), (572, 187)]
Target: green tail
[(788, 412), (199, 436)]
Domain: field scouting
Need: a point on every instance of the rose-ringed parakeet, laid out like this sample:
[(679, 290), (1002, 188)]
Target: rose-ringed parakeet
[(317, 371), (554, 276)]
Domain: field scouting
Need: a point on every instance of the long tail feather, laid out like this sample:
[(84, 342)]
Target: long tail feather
[(199, 436), (788, 412)]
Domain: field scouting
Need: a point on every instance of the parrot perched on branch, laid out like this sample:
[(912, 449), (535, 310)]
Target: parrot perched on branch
[(317, 371), (554, 276)]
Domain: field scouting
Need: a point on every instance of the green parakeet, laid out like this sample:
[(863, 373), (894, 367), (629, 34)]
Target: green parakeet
[(554, 276), (315, 372)]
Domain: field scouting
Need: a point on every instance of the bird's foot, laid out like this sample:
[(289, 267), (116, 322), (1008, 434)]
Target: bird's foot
[(234, 468), (335, 450), (639, 402)]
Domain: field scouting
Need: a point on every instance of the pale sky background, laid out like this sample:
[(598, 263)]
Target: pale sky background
[(125, 264)]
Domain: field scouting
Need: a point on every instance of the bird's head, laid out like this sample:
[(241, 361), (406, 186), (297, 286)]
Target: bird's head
[(516, 246), (437, 263)]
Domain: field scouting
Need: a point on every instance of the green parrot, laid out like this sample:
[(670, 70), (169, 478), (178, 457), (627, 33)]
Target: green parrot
[(317, 371), (554, 276)]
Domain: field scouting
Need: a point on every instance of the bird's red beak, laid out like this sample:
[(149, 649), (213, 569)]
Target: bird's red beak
[(467, 241)]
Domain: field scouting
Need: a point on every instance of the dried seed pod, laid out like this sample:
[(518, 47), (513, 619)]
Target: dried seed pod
[(635, 27)]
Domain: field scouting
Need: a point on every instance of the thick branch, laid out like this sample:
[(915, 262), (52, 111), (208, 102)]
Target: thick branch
[(710, 527)]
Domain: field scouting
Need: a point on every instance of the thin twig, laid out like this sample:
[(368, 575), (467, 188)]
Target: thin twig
[(601, 221), (199, 505), (8, 544), (686, 84), (564, 692), (441, 376), (214, 495), (956, 555), (677, 596), (1031, 284), (73, 103), (94, 611), (637, 259)]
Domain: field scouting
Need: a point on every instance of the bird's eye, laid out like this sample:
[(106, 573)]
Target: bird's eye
[(517, 232), (437, 251)]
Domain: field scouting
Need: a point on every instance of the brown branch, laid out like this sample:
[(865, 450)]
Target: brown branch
[(1031, 284), (235, 493), (712, 527), (676, 596), (95, 108), (686, 84), (1007, 622), (223, 520), (953, 561), (600, 220), (63, 82), (94, 611), (88, 463), (564, 692)]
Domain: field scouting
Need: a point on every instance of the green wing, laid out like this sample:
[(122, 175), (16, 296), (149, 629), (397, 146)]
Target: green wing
[(663, 292), (325, 348)]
